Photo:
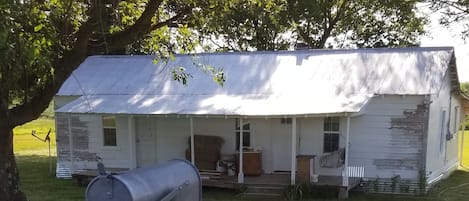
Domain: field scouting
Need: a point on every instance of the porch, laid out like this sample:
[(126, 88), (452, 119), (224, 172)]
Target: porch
[(283, 180), (267, 147)]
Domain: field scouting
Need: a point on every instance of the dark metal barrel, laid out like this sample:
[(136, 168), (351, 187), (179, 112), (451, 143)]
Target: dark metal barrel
[(176, 180)]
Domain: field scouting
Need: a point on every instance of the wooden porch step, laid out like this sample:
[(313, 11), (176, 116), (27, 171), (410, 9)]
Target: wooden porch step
[(210, 175), (264, 190), (262, 195), (272, 187)]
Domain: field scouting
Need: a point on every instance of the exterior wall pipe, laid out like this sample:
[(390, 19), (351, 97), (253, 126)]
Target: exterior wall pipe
[(191, 125), (132, 143), (345, 178), (293, 152), (241, 173)]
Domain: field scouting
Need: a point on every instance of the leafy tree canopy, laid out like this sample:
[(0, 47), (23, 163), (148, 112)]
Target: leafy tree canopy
[(454, 11), (280, 24), (43, 41)]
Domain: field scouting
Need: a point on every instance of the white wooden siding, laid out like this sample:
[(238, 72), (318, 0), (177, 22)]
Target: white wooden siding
[(373, 143), (172, 138), (370, 136), (437, 162)]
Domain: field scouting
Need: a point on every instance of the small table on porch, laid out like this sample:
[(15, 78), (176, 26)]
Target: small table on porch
[(306, 168), (252, 163)]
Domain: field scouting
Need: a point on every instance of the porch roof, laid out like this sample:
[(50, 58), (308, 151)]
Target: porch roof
[(257, 83), (215, 105)]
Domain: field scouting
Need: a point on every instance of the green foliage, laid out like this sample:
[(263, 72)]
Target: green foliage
[(247, 25), (454, 11), (322, 192), (36, 35), (26, 44), (361, 23), (294, 192), (465, 87), (279, 24)]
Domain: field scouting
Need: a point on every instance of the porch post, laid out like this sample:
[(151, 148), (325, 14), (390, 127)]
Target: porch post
[(293, 151), (70, 141), (347, 145), (241, 173), (191, 125), (132, 143), (461, 157)]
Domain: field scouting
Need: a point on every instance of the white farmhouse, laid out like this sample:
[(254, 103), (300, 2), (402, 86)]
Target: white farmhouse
[(381, 115)]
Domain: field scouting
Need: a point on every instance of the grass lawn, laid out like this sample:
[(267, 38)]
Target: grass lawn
[(26, 144), (39, 185)]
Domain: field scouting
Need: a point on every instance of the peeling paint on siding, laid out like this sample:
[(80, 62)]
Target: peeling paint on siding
[(80, 139), (62, 140), (407, 140)]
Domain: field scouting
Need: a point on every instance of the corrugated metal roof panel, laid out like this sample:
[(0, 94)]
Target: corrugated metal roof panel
[(214, 105), (331, 79)]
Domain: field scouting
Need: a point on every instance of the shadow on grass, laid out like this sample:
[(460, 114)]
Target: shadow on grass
[(40, 185)]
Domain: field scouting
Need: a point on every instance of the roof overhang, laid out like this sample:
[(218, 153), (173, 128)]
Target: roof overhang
[(221, 105)]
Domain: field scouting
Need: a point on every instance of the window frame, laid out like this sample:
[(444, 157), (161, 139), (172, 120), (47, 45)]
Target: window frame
[(109, 127), (335, 133), (246, 133), (286, 120)]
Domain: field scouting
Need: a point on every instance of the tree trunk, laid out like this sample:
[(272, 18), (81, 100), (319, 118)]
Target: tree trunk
[(9, 177)]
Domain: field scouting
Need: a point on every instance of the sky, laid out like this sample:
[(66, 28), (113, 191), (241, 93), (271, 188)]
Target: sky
[(438, 35)]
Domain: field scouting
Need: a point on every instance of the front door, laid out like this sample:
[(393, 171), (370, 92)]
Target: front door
[(281, 146), (146, 141)]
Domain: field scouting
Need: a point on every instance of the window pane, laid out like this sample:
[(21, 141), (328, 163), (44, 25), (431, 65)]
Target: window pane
[(246, 139), (327, 124), (110, 137), (335, 126), (246, 125), (109, 121), (331, 124), (331, 142), (285, 121)]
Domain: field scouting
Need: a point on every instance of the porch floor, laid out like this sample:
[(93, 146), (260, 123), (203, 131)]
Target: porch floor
[(231, 182)]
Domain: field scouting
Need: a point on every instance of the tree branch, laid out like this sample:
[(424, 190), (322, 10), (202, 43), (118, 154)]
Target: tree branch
[(63, 67), (140, 28), (71, 59)]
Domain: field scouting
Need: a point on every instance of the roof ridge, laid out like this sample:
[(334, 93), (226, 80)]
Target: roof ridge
[(317, 51)]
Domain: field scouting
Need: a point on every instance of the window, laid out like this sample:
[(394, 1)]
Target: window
[(285, 120), (442, 129), (246, 133), (109, 131), (331, 134)]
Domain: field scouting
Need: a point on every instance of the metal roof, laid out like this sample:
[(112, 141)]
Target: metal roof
[(258, 83)]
